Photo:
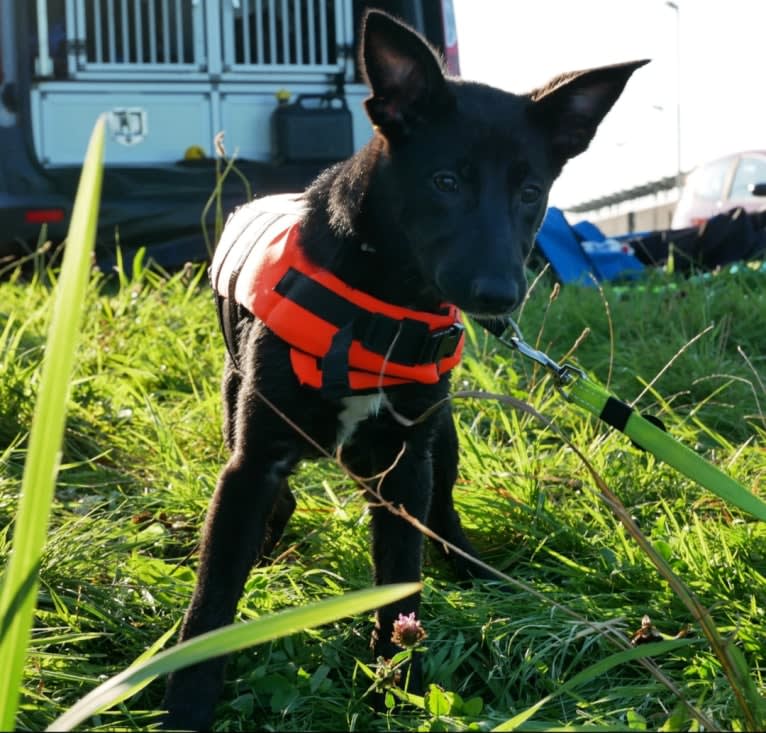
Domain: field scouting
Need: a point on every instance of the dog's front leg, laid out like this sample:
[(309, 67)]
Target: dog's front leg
[(443, 518), (232, 541), (397, 547)]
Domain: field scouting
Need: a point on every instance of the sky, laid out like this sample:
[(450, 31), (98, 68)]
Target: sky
[(519, 44)]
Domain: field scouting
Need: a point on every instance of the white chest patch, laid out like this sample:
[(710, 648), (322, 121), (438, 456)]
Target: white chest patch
[(356, 409)]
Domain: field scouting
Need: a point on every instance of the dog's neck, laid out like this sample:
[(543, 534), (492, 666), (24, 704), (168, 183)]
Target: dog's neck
[(354, 236)]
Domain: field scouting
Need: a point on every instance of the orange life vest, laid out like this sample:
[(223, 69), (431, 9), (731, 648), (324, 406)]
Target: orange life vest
[(343, 341)]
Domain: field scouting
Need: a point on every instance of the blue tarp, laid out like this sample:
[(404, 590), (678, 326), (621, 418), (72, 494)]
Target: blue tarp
[(581, 253)]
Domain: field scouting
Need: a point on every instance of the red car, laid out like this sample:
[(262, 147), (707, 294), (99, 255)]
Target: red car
[(722, 185)]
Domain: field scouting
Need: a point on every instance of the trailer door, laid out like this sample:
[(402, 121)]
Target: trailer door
[(172, 73)]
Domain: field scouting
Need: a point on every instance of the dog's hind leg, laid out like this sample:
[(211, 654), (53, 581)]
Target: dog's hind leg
[(443, 518), (284, 506), (230, 384)]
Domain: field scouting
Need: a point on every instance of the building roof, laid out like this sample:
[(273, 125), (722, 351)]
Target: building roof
[(645, 189)]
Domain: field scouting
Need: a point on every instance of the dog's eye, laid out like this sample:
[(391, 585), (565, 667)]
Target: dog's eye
[(530, 194), (446, 182)]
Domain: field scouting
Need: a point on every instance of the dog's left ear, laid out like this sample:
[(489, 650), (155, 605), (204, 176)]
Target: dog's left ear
[(404, 75), (571, 106)]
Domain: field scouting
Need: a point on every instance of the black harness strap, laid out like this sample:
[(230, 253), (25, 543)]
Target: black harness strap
[(406, 341), (227, 322), (335, 382)]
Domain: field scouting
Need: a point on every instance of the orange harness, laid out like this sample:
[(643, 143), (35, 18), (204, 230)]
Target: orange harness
[(343, 341)]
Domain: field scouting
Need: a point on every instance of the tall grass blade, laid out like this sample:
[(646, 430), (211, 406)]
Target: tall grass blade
[(17, 599), (226, 640)]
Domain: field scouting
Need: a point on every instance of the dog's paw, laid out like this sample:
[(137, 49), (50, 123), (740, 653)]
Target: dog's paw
[(190, 698)]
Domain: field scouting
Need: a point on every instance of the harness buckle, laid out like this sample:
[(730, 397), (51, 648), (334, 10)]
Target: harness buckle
[(409, 341), (444, 342)]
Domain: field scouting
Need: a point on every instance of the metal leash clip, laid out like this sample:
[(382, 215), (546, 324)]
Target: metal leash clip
[(563, 373)]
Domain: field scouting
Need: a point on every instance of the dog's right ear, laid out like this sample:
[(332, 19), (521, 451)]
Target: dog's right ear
[(404, 75), (571, 106)]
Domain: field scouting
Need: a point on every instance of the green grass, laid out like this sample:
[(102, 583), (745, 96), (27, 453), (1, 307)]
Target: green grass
[(143, 447)]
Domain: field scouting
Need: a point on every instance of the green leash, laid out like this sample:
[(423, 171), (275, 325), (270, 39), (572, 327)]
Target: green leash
[(577, 387)]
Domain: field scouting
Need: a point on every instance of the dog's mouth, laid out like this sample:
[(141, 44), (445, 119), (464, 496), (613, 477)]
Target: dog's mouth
[(489, 304), (496, 325), (482, 315)]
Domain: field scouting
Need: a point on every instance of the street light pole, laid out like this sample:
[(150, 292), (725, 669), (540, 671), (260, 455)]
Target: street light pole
[(679, 173)]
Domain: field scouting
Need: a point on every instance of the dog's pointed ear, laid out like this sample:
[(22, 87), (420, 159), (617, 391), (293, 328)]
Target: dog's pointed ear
[(403, 72), (571, 106)]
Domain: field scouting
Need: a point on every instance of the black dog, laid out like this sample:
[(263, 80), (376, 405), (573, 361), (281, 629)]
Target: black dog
[(360, 288)]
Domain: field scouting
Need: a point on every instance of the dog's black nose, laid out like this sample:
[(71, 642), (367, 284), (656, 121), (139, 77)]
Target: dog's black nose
[(495, 296)]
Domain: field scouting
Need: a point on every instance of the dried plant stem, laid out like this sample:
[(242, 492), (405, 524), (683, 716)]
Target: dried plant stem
[(670, 363)]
